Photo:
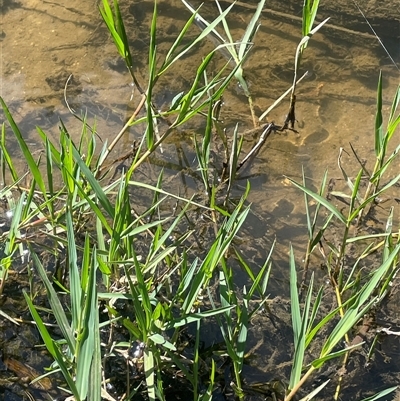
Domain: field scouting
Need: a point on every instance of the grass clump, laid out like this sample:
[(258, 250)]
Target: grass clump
[(129, 284)]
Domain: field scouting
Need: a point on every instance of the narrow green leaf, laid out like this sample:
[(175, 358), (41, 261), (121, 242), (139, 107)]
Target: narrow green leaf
[(192, 43), (378, 118), (102, 197), (159, 339), (354, 313), (395, 104), (108, 18), (321, 200), (381, 394), (75, 284), (294, 298), (149, 373), (33, 167), (55, 304), (317, 363), (51, 347), (6, 159), (86, 338), (251, 30)]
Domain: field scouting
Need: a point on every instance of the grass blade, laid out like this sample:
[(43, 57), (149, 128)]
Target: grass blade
[(33, 167), (379, 118), (320, 200)]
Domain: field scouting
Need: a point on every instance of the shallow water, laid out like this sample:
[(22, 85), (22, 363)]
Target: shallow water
[(44, 42)]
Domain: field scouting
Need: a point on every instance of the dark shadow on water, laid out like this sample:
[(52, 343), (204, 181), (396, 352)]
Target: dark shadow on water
[(7, 5)]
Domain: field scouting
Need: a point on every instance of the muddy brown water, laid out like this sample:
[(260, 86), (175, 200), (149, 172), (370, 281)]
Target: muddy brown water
[(44, 42)]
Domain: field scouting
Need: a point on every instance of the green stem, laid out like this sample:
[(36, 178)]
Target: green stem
[(339, 261), (294, 390)]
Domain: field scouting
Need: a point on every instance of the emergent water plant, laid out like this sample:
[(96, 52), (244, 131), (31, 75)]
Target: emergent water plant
[(137, 287)]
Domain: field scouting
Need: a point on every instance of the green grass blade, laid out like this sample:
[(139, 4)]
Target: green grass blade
[(310, 9), (55, 304), (75, 284), (149, 371), (101, 196), (242, 338), (379, 118), (152, 73), (251, 30), (51, 347), (33, 167), (355, 192), (352, 315), (95, 378), (294, 298), (321, 200), (299, 322), (55, 154), (381, 394), (317, 363), (313, 393), (395, 104), (195, 317), (226, 29), (120, 27), (6, 158), (233, 160), (88, 331), (210, 27), (175, 45), (41, 326), (108, 18), (186, 101)]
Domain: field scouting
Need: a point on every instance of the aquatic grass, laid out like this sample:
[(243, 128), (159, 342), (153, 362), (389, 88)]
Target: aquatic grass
[(234, 323), (185, 104), (82, 192), (12, 240), (233, 165), (154, 317), (350, 311), (237, 51), (116, 27), (382, 141), (121, 248), (315, 234), (33, 166), (356, 307), (310, 9), (81, 331), (148, 258), (308, 20), (203, 153), (361, 291)]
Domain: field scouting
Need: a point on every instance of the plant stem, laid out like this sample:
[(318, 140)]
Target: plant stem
[(124, 128), (294, 390)]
